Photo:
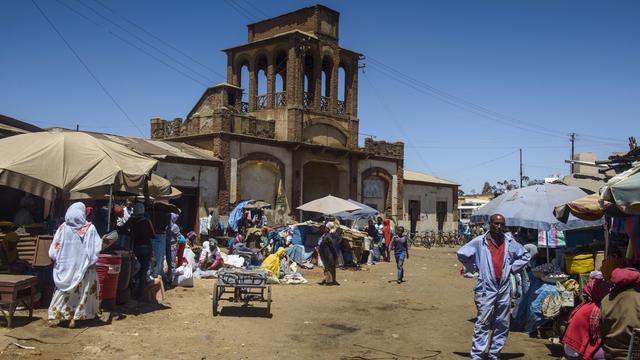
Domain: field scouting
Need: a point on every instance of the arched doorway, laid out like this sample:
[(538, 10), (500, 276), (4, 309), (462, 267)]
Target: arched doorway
[(323, 178), (376, 189)]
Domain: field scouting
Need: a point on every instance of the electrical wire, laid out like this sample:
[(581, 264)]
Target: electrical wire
[(257, 9), (440, 94), (183, 53), (123, 29), (240, 11), (154, 57), (462, 106), (86, 67), (467, 167), (395, 120)]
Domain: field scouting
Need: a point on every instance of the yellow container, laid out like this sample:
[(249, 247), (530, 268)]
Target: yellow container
[(579, 264)]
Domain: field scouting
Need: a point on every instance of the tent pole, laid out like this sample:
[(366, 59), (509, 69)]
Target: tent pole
[(546, 239), (606, 240), (110, 207)]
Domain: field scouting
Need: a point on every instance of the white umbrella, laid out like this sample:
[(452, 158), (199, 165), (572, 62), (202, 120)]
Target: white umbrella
[(329, 205)]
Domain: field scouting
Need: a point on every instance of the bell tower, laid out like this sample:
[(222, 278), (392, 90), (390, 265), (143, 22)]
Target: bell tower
[(298, 57)]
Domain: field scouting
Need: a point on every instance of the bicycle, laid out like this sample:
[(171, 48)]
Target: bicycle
[(416, 239)]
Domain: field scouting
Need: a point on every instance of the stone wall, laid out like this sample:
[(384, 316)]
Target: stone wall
[(197, 125), (384, 148)]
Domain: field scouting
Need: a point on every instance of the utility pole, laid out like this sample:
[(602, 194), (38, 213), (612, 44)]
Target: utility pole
[(573, 149), (521, 168)]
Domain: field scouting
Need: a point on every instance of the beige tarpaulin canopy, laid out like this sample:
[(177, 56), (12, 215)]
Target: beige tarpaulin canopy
[(159, 189), (57, 164), (329, 205)]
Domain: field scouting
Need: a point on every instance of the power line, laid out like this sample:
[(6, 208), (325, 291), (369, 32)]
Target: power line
[(393, 117), (144, 41), (183, 53), (467, 167), (240, 11), (460, 100), (440, 94), (133, 45), (86, 67), (154, 57), (461, 106), (257, 9)]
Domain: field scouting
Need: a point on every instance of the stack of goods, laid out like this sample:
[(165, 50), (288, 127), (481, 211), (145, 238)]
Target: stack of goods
[(355, 239)]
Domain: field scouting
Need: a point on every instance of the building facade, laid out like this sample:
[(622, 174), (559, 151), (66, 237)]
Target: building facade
[(297, 140), (430, 203)]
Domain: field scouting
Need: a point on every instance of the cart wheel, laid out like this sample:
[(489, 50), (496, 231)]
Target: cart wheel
[(269, 300), (215, 300)]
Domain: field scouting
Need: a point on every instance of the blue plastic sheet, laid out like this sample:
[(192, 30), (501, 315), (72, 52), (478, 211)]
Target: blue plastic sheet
[(299, 253), (237, 213), (529, 314)]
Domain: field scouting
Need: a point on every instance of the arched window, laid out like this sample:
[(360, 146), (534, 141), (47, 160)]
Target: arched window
[(261, 82), (243, 81), (281, 78), (327, 69), (309, 81), (342, 90)]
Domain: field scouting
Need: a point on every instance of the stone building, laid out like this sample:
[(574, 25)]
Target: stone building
[(298, 139), (430, 203)]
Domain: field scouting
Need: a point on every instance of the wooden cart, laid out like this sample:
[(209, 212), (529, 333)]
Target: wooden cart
[(245, 286)]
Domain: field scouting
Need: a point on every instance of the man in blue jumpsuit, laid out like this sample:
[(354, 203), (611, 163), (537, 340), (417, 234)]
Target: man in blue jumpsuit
[(496, 255)]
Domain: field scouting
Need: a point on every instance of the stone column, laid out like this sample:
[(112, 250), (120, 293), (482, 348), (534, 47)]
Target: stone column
[(232, 75), (271, 84), (253, 87), (233, 181), (294, 79), (296, 191), (316, 79), (353, 90), (333, 90)]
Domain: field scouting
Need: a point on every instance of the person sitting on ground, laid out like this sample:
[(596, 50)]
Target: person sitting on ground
[(620, 313), (74, 250), (582, 339), (210, 257), (272, 262), (400, 246), (240, 248)]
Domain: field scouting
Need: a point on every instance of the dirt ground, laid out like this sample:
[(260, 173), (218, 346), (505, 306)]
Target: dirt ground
[(368, 317)]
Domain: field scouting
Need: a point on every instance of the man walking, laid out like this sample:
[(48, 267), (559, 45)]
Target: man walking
[(496, 255)]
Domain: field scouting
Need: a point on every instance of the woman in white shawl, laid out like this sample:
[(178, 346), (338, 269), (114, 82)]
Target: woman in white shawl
[(75, 250)]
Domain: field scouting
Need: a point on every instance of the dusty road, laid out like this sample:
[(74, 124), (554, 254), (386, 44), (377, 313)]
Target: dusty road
[(367, 317)]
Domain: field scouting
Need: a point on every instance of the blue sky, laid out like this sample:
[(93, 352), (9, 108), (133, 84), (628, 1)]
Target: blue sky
[(463, 83)]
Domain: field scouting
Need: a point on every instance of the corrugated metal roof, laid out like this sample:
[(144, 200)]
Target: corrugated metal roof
[(160, 148), (426, 178)]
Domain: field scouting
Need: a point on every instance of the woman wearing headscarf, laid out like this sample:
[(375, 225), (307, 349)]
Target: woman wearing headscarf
[(272, 262), (620, 313), (74, 250), (172, 232), (328, 254), (210, 257), (582, 338), (387, 233), (141, 230)]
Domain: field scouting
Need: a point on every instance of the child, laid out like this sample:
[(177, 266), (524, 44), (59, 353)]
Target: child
[(400, 247)]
